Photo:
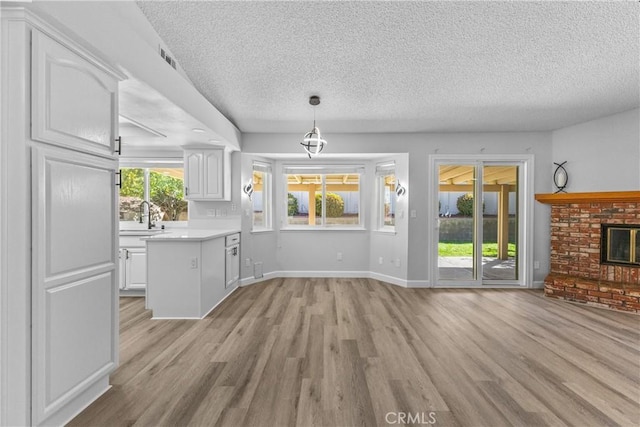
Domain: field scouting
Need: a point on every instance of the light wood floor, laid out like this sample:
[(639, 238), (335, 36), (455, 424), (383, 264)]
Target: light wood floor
[(342, 352)]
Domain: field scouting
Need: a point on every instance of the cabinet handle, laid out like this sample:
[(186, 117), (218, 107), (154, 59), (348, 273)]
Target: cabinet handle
[(119, 149), (186, 191), (119, 183)]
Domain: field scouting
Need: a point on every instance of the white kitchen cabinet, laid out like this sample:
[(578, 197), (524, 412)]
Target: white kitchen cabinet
[(74, 99), (186, 273), (74, 278), (232, 260), (133, 268), (207, 174), (74, 231)]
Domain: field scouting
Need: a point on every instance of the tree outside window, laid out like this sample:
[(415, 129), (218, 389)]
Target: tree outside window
[(162, 187)]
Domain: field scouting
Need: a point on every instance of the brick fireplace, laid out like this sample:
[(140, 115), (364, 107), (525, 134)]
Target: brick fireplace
[(577, 273)]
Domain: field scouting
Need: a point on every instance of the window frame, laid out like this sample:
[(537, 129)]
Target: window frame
[(323, 171), (146, 164), (267, 197), (383, 170)]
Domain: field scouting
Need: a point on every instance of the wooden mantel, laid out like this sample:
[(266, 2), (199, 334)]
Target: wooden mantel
[(597, 197)]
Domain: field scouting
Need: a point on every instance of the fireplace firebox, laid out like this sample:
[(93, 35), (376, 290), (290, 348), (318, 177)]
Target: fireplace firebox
[(620, 244)]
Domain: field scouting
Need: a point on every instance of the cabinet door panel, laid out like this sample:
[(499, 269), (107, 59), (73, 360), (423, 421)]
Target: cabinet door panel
[(74, 103), (137, 268), (213, 173), (74, 276), (76, 347), (193, 175), (79, 197)]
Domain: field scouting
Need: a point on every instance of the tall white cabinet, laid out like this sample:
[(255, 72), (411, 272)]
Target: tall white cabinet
[(62, 155)]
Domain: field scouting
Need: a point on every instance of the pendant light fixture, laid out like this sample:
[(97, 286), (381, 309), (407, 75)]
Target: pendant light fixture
[(312, 142)]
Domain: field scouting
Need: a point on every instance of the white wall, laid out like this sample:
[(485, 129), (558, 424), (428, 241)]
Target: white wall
[(602, 154), (418, 147)]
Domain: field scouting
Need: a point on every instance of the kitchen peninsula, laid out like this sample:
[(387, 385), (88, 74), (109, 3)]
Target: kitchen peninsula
[(187, 272)]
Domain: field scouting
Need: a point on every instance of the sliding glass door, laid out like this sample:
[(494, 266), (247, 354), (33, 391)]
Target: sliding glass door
[(478, 224)]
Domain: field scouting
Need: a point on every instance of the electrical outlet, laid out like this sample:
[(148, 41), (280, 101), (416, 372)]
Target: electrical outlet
[(413, 213), (247, 262), (233, 207), (194, 262), (211, 212), (398, 262), (339, 256), (380, 260), (536, 265)]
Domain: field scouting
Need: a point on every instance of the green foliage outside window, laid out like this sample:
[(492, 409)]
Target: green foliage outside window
[(465, 204), (335, 205), (292, 205), (166, 195)]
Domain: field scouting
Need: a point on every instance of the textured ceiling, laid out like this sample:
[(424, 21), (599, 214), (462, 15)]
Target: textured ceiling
[(407, 66)]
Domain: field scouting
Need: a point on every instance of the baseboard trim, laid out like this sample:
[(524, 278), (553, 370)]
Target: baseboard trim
[(347, 274), (419, 284), (376, 276), (252, 280), (352, 274), (70, 410), (387, 279)]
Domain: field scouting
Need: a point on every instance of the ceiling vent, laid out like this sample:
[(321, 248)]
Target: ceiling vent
[(167, 58)]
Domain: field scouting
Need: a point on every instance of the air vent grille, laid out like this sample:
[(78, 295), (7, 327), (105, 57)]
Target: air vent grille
[(167, 58)]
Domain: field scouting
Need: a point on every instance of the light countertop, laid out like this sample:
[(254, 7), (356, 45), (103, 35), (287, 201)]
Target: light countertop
[(188, 234)]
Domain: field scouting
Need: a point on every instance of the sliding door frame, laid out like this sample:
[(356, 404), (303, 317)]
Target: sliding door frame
[(525, 163)]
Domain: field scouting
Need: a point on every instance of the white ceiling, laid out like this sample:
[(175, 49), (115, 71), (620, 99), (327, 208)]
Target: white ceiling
[(422, 66)]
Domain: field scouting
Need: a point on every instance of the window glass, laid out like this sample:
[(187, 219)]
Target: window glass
[(162, 188), (261, 198), (388, 200), (343, 200), (330, 199)]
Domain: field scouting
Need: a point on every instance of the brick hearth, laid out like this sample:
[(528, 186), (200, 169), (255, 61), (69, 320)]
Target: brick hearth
[(576, 272)]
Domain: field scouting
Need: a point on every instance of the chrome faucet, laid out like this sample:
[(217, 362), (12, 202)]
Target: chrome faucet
[(150, 224)]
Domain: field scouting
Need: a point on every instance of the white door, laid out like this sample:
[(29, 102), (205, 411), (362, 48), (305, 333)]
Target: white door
[(136, 275), (193, 175), (74, 276), (213, 173)]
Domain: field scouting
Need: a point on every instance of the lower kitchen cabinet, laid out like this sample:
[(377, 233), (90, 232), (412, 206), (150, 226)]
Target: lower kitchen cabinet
[(133, 269), (186, 274)]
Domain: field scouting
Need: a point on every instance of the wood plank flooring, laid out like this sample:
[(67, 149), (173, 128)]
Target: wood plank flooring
[(347, 352)]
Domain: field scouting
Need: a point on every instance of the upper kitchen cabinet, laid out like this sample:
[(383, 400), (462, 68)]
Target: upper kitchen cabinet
[(207, 174), (74, 101)]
